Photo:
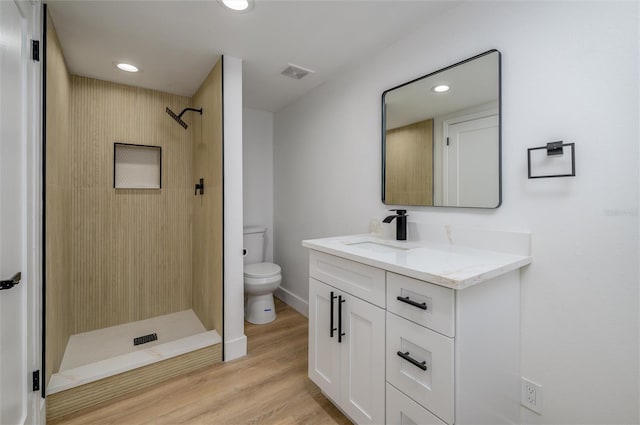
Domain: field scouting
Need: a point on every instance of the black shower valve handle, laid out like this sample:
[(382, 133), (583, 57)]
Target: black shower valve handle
[(200, 186)]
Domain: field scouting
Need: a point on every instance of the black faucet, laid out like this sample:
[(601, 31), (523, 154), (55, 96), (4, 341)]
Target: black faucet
[(401, 224)]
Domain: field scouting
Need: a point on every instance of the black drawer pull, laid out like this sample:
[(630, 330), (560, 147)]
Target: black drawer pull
[(340, 333), (407, 357), (331, 328), (413, 303)]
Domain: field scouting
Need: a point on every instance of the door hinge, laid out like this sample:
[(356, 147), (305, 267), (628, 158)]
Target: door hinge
[(35, 380), (35, 50), (447, 141)]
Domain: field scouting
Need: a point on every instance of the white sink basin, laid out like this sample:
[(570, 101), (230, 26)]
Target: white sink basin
[(375, 246)]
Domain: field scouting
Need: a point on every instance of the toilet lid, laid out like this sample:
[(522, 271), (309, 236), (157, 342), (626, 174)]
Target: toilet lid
[(261, 270)]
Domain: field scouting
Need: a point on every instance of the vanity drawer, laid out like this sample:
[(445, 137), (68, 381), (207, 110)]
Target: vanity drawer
[(429, 383), (360, 280), (435, 303), (401, 410)]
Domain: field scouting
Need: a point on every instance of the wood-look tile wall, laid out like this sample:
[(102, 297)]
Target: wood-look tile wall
[(130, 249), (207, 209), (57, 204)]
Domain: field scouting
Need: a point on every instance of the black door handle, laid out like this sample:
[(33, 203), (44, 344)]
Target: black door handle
[(407, 357), (331, 328), (340, 333), (10, 283), (411, 302)]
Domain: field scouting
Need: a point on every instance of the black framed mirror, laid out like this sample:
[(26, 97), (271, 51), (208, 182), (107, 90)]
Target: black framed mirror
[(441, 137)]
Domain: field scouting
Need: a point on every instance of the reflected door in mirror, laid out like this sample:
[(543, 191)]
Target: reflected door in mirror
[(471, 167)]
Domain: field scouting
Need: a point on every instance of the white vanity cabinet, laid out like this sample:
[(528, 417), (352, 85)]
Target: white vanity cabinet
[(347, 337), (415, 352)]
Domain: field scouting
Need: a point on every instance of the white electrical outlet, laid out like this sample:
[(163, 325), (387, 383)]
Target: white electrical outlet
[(531, 396)]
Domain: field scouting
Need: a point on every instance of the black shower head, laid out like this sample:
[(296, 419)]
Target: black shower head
[(178, 118)]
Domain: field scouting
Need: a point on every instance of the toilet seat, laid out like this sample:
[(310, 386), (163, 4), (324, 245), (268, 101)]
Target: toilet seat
[(256, 282), (261, 270)]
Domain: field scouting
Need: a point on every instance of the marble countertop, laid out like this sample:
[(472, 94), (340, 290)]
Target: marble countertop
[(451, 266)]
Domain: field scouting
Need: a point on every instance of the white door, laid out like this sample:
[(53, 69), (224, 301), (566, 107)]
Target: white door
[(472, 164), (324, 349), (363, 361), (19, 101)]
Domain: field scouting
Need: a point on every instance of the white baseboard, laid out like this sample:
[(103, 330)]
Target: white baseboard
[(235, 348), (297, 303)]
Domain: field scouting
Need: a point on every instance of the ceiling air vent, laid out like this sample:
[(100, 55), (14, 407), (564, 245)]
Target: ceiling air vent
[(295, 71)]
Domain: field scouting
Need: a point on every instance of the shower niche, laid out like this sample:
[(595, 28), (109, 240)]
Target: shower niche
[(133, 278), (137, 166)]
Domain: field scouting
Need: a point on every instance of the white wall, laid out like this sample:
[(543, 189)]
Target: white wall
[(257, 166), (570, 72), (235, 342)]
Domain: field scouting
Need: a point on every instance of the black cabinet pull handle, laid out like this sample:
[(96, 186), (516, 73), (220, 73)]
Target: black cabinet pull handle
[(340, 333), (331, 328), (411, 302), (407, 357)]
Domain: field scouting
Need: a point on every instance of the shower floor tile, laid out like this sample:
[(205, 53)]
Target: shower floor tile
[(98, 354), (101, 344)]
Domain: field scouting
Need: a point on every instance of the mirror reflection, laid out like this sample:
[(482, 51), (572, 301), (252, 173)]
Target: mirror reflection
[(441, 137)]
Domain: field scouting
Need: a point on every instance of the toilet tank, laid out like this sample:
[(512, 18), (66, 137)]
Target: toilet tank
[(253, 240)]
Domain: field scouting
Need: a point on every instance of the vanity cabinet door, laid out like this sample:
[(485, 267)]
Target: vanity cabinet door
[(363, 361), (346, 352), (324, 350)]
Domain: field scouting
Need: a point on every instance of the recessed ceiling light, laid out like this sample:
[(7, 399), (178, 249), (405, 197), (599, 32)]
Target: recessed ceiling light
[(441, 88), (238, 5), (127, 67)]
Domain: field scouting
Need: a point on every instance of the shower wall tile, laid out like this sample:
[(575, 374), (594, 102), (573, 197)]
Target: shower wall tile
[(57, 204), (131, 249), (207, 209)]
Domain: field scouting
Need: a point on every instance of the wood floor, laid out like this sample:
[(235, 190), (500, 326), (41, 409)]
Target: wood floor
[(268, 386)]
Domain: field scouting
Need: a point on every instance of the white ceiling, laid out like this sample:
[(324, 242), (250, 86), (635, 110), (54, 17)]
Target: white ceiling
[(471, 83), (176, 43)]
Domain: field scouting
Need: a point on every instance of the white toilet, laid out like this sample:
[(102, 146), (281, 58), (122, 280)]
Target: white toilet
[(260, 278)]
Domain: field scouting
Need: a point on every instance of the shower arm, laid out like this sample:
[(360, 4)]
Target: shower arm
[(189, 109)]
